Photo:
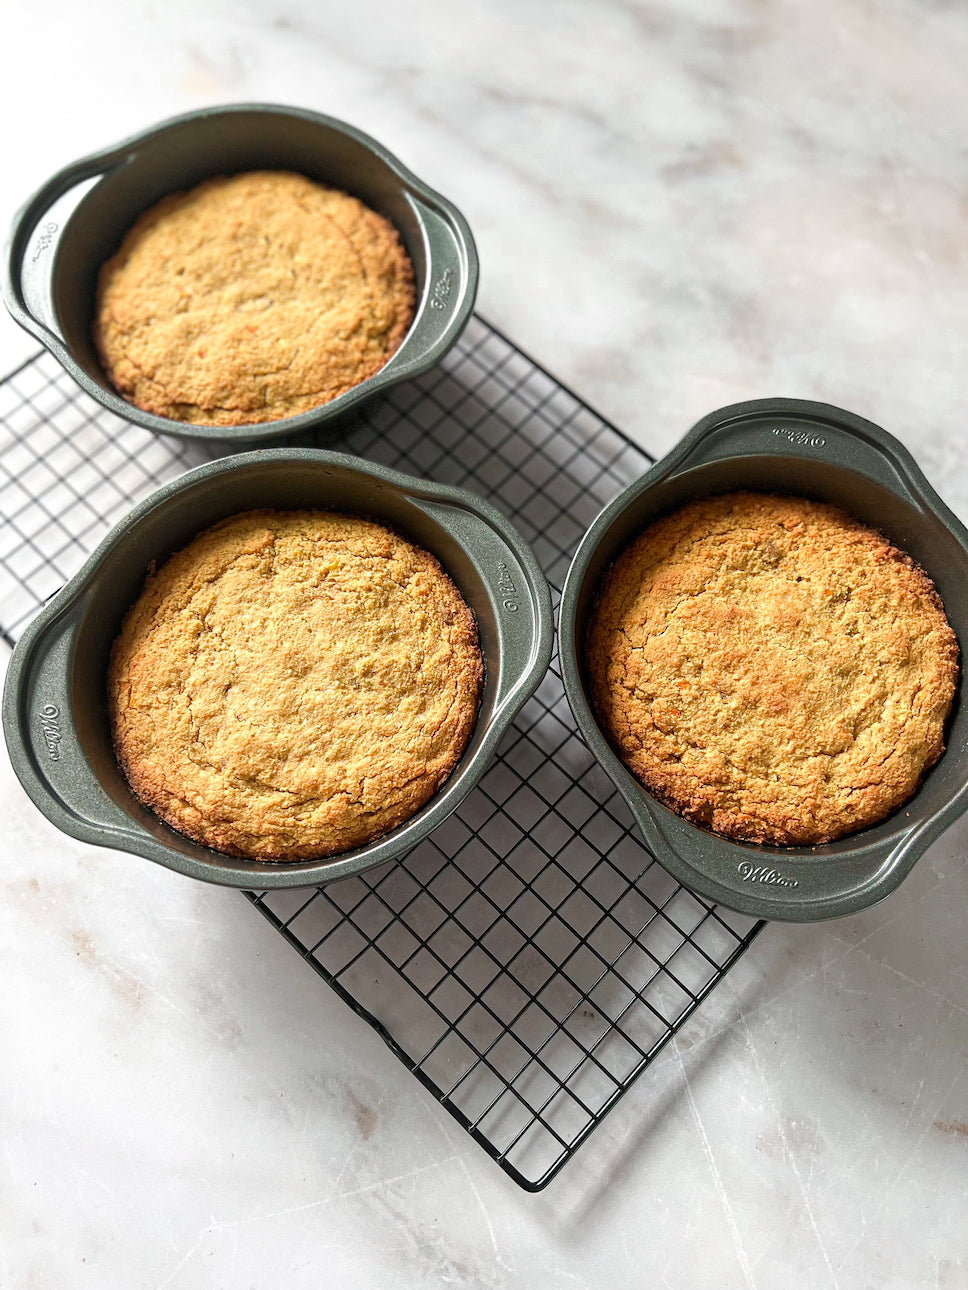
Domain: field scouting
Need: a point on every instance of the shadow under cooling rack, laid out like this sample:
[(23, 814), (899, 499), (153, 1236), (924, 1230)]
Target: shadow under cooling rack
[(530, 958)]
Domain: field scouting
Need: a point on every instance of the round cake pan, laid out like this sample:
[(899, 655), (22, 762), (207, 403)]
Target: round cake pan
[(55, 705), (822, 452), (69, 228)]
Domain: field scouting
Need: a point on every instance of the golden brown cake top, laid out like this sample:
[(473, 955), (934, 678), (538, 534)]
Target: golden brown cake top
[(772, 668), (293, 684), (251, 297)]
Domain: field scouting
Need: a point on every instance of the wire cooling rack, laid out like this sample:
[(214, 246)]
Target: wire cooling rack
[(530, 959)]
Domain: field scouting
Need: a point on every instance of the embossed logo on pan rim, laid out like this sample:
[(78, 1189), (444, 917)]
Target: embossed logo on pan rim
[(508, 590), (49, 718), (44, 241), (442, 289), (764, 873), (800, 437)]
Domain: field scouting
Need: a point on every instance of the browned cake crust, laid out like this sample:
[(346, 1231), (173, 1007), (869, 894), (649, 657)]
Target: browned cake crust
[(249, 298), (293, 684), (771, 668)]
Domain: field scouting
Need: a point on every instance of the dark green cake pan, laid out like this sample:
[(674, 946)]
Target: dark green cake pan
[(76, 221), (822, 452), (55, 704)]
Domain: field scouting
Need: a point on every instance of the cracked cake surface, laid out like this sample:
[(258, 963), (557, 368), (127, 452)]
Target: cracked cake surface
[(249, 298), (293, 684), (771, 668)]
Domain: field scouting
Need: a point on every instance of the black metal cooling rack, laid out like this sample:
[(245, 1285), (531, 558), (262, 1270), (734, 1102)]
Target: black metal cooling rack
[(530, 959)]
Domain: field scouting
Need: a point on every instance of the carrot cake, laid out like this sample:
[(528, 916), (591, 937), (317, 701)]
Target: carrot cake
[(250, 298), (293, 684), (771, 668)]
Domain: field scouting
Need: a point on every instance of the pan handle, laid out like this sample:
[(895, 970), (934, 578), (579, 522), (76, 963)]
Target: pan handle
[(793, 884), (43, 739), (801, 430), (32, 246), (453, 267), (515, 587)]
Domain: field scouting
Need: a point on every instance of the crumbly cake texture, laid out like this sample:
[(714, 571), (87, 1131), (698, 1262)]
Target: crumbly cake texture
[(293, 684), (249, 298), (771, 668)]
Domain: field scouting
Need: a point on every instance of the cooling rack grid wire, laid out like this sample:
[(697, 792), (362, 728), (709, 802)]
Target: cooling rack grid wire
[(529, 960)]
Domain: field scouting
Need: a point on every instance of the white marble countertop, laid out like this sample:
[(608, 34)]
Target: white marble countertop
[(677, 205)]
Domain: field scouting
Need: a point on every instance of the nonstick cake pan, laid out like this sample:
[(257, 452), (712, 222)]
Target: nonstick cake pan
[(55, 705), (76, 221), (821, 452)]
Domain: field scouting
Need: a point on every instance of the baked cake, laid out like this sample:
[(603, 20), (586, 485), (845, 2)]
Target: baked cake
[(249, 298), (771, 668), (293, 684)]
